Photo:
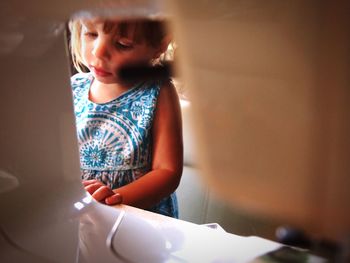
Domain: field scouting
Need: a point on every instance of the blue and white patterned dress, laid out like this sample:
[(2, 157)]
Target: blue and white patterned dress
[(115, 137)]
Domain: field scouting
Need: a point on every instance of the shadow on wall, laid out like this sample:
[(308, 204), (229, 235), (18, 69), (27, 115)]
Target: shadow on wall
[(198, 204)]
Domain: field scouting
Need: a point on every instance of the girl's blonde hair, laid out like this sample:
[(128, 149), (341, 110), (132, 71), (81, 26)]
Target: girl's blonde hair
[(153, 32)]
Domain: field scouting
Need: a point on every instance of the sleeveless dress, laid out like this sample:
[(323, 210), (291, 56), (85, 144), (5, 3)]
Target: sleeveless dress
[(115, 139)]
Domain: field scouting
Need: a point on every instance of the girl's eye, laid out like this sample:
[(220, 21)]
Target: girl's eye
[(123, 47), (90, 34)]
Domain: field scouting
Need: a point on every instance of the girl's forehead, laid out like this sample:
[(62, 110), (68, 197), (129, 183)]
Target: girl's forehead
[(148, 31), (116, 27)]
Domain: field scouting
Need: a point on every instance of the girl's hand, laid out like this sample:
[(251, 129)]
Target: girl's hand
[(102, 193)]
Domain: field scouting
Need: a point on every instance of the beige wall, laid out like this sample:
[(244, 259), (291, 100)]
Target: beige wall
[(269, 85)]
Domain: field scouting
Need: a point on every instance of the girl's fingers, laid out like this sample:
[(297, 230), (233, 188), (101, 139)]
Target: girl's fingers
[(102, 193), (92, 181), (114, 199), (91, 188)]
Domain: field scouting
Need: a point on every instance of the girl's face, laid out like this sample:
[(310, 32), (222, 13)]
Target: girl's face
[(104, 53)]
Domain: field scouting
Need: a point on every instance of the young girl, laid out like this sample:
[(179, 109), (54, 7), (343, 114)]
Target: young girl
[(129, 134)]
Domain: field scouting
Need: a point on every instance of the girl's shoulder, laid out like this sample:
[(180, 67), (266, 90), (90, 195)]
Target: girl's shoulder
[(79, 80), (167, 88), (158, 86)]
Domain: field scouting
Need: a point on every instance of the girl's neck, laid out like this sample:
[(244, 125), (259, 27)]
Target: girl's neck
[(101, 92)]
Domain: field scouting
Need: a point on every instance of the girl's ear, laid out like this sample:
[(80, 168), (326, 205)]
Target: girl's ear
[(163, 46)]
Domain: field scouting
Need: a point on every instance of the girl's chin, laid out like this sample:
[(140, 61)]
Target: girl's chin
[(106, 80), (113, 80)]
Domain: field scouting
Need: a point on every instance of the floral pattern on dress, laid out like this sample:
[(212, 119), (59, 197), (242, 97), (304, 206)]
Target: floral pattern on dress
[(115, 138)]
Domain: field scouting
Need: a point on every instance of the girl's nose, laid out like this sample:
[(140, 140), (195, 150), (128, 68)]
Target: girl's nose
[(101, 49)]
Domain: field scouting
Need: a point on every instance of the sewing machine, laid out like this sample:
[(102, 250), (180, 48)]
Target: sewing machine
[(272, 80)]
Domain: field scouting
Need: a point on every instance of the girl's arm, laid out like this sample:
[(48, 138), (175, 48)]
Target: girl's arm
[(167, 158)]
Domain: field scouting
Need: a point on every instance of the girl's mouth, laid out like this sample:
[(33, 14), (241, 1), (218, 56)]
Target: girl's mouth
[(100, 72)]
